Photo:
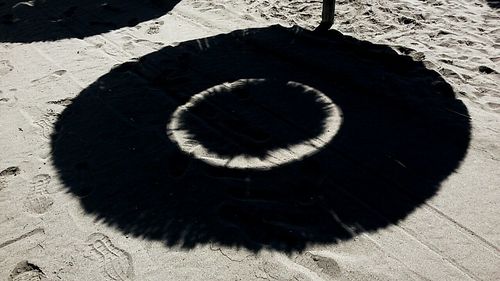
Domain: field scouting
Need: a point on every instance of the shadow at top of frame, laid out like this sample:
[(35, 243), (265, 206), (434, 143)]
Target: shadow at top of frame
[(494, 3), (402, 133), (24, 22)]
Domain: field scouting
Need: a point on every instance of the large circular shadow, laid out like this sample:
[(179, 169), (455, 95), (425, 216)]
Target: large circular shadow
[(402, 133), (49, 20)]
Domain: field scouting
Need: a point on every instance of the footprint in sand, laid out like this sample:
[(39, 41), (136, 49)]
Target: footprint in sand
[(25, 271), (154, 28), (5, 174), (306, 266), (7, 99), (115, 263), (273, 270), (493, 106), (140, 43), (326, 267), (49, 78), (39, 200), (63, 102), (46, 123), (5, 67)]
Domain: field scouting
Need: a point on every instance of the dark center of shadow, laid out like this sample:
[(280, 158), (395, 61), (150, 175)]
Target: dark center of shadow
[(402, 133), (252, 118)]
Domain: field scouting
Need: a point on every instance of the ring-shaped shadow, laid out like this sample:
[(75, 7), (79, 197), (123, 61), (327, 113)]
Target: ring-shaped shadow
[(402, 133), (49, 20), (249, 123)]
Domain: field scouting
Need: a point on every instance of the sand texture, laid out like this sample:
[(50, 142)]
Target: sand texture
[(227, 140)]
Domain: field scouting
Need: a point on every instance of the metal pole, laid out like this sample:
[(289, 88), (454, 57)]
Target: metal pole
[(327, 16)]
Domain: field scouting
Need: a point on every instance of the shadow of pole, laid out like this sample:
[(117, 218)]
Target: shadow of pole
[(402, 132)]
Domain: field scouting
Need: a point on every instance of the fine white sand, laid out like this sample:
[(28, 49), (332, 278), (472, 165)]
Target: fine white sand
[(46, 233)]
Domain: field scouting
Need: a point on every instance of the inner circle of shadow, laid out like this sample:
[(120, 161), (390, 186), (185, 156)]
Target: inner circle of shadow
[(249, 118), (403, 133), (50, 20)]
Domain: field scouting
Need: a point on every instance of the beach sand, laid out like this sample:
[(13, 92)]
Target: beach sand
[(225, 140)]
